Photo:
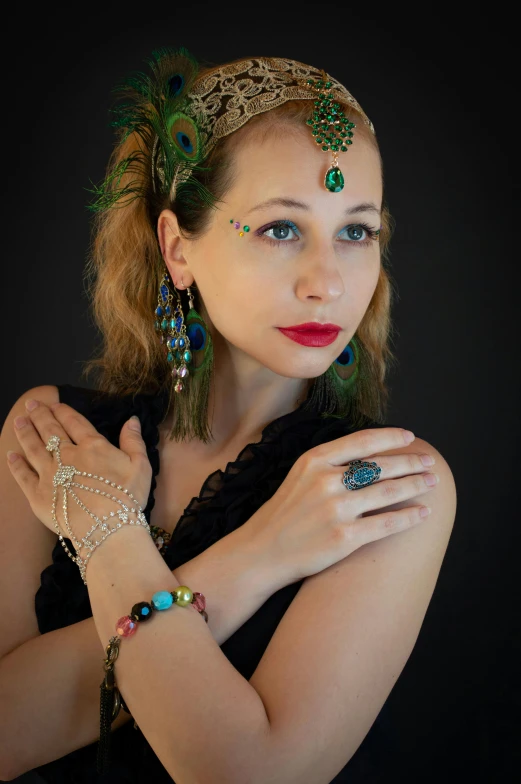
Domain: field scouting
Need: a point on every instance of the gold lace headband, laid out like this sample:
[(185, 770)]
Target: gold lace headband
[(223, 100), (180, 116)]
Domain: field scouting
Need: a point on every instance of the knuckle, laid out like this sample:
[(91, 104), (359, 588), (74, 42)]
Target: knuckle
[(389, 488), (366, 441), (93, 442), (336, 509), (419, 483), (390, 522), (413, 462), (310, 459), (341, 533), (323, 483)]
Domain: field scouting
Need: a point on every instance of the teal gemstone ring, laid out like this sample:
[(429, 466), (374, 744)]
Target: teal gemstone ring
[(360, 474)]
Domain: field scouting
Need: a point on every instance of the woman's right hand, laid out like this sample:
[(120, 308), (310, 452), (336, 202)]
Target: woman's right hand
[(312, 520)]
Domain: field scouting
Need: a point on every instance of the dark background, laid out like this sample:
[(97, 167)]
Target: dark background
[(441, 93)]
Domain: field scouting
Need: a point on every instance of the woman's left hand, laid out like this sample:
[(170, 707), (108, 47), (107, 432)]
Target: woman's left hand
[(85, 449)]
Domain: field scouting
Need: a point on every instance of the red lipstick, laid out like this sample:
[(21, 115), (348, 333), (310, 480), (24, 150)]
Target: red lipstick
[(312, 333)]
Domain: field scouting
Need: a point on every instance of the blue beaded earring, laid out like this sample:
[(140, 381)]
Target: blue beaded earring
[(187, 343)]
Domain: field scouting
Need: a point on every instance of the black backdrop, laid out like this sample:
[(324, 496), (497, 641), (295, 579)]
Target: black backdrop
[(441, 94)]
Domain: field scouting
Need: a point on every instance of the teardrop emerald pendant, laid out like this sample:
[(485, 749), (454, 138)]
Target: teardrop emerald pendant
[(334, 180)]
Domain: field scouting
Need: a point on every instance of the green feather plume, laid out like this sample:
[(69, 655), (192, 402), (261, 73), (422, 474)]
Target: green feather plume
[(154, 106)]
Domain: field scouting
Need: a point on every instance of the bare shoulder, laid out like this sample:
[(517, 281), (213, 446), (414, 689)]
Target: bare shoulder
[(347, 635), (46, 394)]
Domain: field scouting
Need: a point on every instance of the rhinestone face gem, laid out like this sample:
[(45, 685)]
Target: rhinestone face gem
[(64, 475)]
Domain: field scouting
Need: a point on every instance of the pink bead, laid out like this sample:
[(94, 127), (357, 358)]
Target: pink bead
[(126, 627), (199, 601), (236, 225), (182, 372)]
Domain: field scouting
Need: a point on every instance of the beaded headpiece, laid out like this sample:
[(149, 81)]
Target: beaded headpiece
[(181, 117)]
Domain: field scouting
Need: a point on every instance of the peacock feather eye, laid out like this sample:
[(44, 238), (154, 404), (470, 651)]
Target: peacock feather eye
[(197, 332), (185, 135), (175, 85), (345, 365)]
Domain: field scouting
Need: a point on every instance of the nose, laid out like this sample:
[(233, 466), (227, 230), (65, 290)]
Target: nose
[(319, 276)]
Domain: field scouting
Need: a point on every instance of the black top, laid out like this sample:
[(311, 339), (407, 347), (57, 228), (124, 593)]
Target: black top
[(226, 501)]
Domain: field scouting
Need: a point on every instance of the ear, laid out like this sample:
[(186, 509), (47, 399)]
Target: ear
[(172, 246)]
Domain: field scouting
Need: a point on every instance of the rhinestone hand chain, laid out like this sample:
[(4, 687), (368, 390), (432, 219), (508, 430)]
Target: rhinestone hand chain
[(125, 516)]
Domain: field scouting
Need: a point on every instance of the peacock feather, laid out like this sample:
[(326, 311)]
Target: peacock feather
[(186, 418), (154, 107), (344, 369)]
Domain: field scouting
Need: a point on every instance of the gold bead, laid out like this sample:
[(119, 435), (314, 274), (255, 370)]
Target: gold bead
[(184, 595), (241, 234)]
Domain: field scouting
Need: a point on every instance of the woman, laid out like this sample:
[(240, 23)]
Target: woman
[(239, 435)]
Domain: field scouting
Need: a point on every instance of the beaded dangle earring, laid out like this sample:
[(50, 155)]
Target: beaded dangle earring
[(189, 352)]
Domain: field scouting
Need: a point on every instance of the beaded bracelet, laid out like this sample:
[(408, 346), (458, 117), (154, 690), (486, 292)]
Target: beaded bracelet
[(111, 700)]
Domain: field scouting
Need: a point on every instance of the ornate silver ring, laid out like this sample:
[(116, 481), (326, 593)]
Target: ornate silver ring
[(360, 474)]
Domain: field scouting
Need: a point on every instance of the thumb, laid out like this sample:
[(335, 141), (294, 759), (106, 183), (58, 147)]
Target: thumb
[(130, 439)]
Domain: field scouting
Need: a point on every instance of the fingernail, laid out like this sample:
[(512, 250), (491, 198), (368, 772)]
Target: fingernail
[(408, 436), (31, 404), (12, 456), (20, 422), (134, 423), (427, 459), (425, 510)]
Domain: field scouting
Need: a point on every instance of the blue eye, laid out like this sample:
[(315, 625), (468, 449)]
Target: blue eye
[(357, 233), (281, 230)]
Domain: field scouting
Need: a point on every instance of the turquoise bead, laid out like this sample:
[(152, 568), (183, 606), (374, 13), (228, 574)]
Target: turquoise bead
[(187, 356), (162, 600)]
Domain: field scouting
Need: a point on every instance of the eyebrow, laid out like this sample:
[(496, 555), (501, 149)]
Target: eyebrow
[(282, 201)]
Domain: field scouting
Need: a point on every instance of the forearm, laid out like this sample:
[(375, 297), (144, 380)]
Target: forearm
[(49, 687), (180, 688)]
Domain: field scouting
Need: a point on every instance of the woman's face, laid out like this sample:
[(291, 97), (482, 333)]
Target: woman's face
[(309, 259)]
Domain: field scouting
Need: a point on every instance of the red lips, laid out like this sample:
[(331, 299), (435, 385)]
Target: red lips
[(312, 333), (314, 326)]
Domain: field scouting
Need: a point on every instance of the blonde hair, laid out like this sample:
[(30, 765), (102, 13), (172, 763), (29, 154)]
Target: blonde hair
[(125, 268)]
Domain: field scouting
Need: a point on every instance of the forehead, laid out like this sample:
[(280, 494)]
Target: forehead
[(292, 164)]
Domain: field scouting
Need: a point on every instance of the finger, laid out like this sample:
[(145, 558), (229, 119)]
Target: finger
[(394, 466), (130, 440), (44, 421), (369, 529), (364, 442), (31, 443), (76, 425), (391, 491), (23, 474)]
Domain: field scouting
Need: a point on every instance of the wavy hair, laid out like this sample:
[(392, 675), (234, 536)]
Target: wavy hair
[(125, 267)]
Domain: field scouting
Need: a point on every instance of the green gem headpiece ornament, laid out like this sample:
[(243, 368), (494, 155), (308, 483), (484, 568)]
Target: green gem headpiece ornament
[(180, 117)]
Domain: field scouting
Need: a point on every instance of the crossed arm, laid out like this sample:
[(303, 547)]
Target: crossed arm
[(322, 680)]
